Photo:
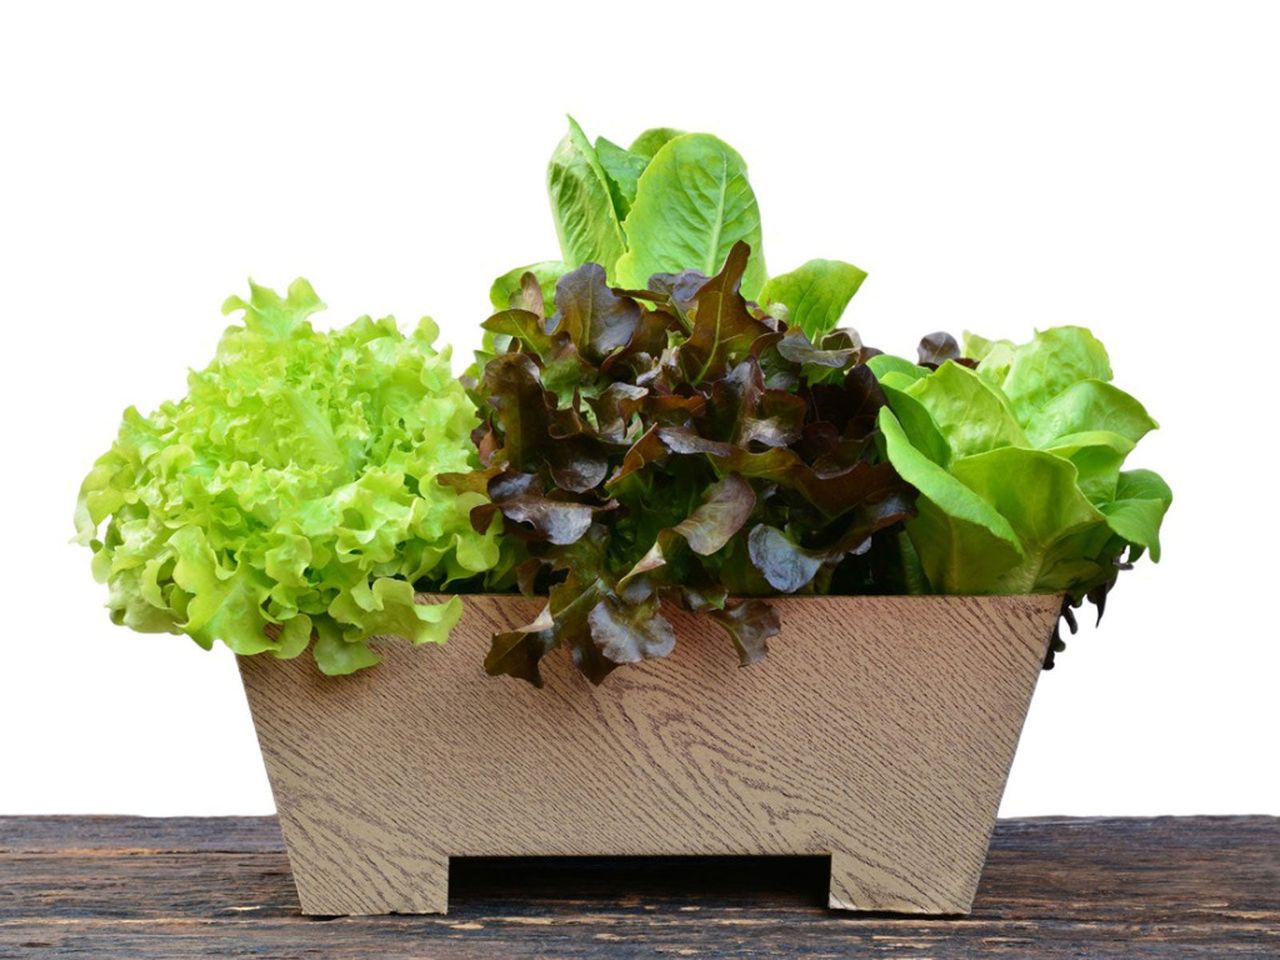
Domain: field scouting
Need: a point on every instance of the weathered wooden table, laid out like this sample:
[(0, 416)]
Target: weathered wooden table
[(114, 887)]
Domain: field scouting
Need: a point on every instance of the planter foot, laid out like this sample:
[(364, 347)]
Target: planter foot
[(433, 896), (420, 886), (852, 889), (844, 883)]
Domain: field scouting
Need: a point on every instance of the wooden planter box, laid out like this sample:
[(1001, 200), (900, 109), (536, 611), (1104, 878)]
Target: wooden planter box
[(878, 731)]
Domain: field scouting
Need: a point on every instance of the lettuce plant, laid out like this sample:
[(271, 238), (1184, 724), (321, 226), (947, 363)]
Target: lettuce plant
[(1017, 453), (671, 201), (674, 443), (290, 499), (653, 419)]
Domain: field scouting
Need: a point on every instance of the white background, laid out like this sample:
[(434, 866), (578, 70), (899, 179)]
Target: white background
[(994, 167)]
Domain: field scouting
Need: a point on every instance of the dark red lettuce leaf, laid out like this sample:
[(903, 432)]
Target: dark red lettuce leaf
[(937, 348), (597, 320), (750, 623), (675, 445), (723, 327)]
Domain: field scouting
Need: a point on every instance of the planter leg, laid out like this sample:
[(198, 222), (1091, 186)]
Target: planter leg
[(844, 881), (433, 896), (854, 887), (418, 886)]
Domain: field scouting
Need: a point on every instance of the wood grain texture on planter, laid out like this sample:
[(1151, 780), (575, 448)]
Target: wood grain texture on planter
[(879, 731)]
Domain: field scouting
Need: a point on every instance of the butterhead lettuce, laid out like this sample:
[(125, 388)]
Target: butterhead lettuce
[(1017, 451), (290, 499)]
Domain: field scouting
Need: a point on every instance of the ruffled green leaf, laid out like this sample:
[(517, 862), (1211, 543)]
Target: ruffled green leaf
[(291, 496), (1088, 406), (1040, 370)]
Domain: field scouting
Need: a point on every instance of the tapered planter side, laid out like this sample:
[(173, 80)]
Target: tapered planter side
[(878, 731)]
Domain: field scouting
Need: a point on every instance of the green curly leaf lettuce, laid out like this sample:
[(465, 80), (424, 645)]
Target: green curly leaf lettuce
[(290, 499)]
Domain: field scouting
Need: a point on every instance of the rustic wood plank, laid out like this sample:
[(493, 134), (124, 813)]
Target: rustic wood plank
[(397, 939), (60, 833), (1054, 888), (878, 732)]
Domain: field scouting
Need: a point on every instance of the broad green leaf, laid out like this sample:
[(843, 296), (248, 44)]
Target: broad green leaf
[(972, 415), (815, 294), (581, 204), (977, 347), (653, 140), (1054, 360), (693, 203), (1144, 485), (964, 544), (1142, 498), (1087, 406), (883, 364), (623, 169), (1098, 456), (917, 423), (1036, 492)]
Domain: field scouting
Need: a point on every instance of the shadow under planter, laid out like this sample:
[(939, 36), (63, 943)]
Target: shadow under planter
[(878, 731)]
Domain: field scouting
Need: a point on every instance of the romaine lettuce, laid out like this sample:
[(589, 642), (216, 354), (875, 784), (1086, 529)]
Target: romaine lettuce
[(672, 201)]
